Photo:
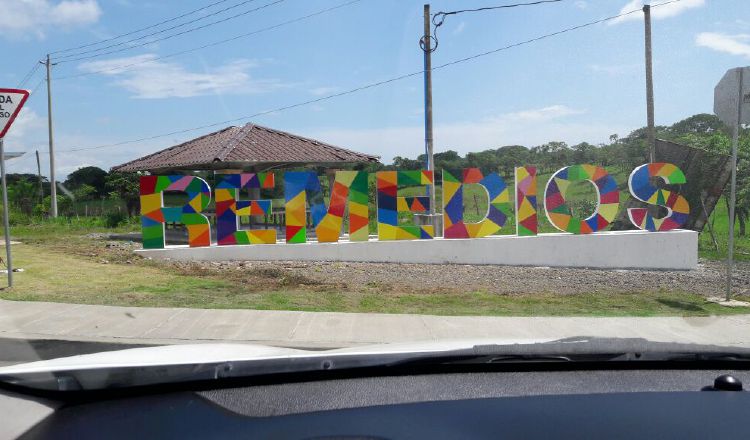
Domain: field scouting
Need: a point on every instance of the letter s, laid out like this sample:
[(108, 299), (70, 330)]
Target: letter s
[(639, 184)]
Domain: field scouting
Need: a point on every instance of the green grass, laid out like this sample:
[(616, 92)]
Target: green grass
[(720, 221), (63, 265)]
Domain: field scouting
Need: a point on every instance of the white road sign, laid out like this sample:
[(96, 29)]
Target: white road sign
[(11, 101), (734, 86)]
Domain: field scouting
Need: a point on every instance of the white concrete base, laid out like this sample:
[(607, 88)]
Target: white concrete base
[(608, 250)]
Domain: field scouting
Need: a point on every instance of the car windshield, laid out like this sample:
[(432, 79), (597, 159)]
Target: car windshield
[(266, 176)]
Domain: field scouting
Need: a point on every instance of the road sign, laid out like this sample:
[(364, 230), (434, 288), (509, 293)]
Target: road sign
[(11, 101), (734, 86)]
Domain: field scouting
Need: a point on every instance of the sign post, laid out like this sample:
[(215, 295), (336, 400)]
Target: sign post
[(11, 102), (732, 106)]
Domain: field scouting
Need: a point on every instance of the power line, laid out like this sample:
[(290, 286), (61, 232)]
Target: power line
[(215, 43), (174, 35), (487, 8), (367, 86), (121, 43), (29, 75), (139, 30), (439, 18)]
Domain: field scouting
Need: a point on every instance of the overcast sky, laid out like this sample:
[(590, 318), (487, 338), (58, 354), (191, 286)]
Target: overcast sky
[(579, 86)]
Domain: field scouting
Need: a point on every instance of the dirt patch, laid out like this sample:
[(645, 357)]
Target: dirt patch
[(706, 280)]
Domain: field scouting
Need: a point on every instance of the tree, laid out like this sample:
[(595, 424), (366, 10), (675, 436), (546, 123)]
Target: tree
[(92, 176), (126, 187)]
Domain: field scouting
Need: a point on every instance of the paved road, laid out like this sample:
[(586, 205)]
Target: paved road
[(134, 325)]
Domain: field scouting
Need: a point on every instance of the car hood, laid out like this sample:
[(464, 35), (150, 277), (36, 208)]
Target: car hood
[(207, 353)]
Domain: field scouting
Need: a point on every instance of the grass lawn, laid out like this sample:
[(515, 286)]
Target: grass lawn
[(62, 264)]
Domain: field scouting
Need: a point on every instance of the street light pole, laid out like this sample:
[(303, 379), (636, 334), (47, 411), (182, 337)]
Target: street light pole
[(6, 222)]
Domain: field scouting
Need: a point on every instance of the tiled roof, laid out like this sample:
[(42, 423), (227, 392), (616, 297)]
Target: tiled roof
[(248, 145)]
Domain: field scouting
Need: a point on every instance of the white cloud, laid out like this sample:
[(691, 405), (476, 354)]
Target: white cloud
[(657, 13), (157, 79), (20, 17), (732, 44), (28, 125), (528, 127), (580, 4)]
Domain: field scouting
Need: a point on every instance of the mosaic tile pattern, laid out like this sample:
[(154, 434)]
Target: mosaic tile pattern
[(351, 186), (390, 204), (298, 186), (154, 215), (557, 210), (641, 188), (527, 222), (229, 208), (498, 208)]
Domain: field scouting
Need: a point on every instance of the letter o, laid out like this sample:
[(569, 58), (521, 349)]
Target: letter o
[(557, 210)]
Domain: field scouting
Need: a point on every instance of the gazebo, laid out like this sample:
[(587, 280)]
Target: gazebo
[(251, 148)]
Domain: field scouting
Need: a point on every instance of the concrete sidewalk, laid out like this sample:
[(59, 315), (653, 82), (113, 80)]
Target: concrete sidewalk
[(40, 320)]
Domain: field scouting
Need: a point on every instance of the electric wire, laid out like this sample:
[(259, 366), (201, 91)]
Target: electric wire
[(167, 37), (142, 37), (125, 67), (83, 46), (366, 86), (28, 76)]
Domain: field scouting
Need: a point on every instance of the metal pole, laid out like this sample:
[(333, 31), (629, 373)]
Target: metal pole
[(6, 223), (39, 177), (649, 86), (427, 49), (733, 188), (53, 183)]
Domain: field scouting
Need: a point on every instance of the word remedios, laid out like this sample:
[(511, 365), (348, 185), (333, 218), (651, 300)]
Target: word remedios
[(349, 192)]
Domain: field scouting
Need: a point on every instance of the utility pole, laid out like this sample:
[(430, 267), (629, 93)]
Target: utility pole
[(39, 177), (427, 49), (649, 86), (53, 183)]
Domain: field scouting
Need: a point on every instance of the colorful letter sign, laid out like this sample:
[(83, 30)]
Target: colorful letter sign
[(297, 185), (641, 188), (390, 204), (526, 217), (229, 209), (350, 191), (498, 208), (154, 215), (558, 212), (350, 185)]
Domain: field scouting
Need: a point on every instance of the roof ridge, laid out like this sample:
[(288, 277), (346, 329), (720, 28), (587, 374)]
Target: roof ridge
[(314, 141), (168, 149), (232, 143)]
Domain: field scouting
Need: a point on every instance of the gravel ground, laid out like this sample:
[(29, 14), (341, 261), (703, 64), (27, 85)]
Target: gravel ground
[(707, 279)]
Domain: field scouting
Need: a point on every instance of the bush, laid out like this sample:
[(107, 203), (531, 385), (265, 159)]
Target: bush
[(115, 218)]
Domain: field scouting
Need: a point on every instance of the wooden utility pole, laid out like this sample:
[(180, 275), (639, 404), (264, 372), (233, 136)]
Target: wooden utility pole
[(53, 183), (39, 177), (649, 86), (427, 49)]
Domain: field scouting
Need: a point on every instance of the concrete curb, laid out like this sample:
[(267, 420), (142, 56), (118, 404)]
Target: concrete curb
[(142, 325)]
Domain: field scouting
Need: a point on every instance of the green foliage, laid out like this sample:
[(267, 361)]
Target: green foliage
[(126, 187), (93, 177), (114, 219)]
